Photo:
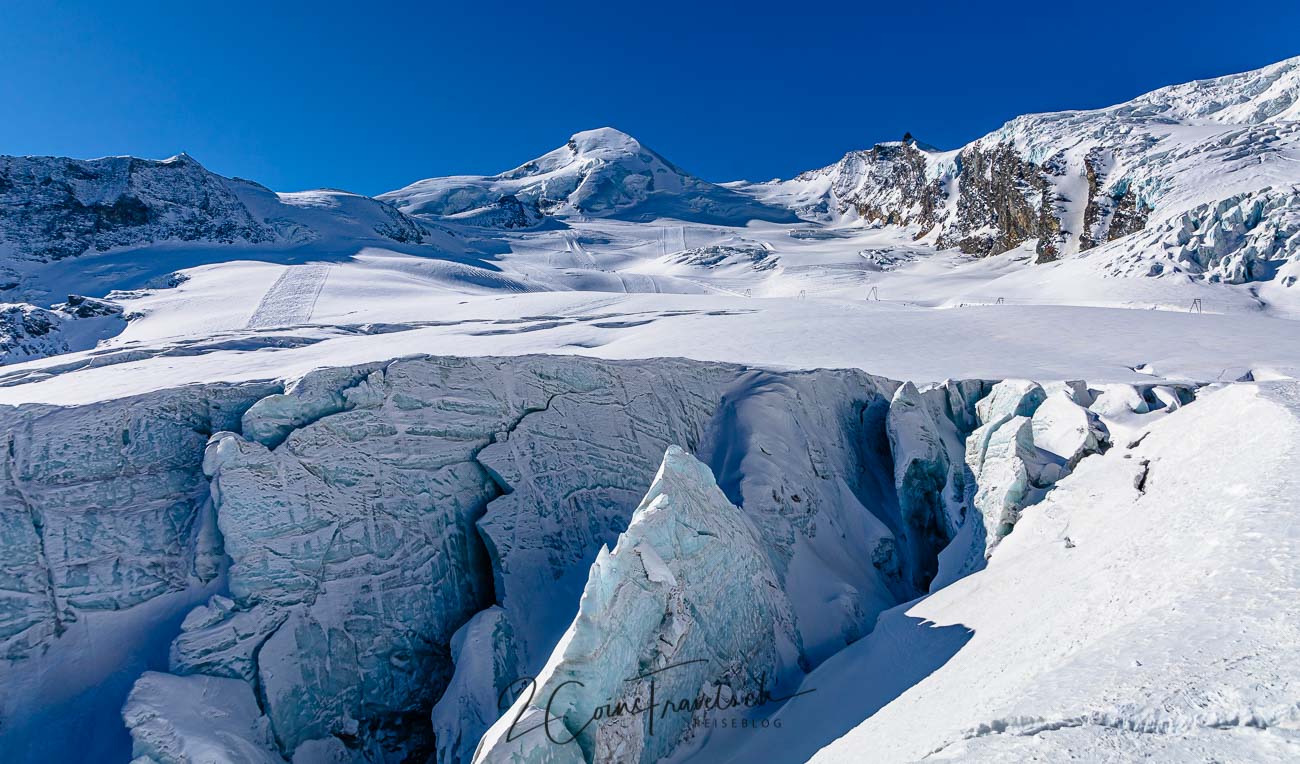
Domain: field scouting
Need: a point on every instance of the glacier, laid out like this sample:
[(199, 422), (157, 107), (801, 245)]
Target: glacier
[(373, 554), (296, 484)]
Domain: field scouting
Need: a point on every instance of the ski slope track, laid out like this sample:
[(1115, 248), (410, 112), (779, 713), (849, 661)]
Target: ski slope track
[(291, 299)]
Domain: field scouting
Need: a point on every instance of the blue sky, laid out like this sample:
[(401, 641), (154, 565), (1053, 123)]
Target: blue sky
[(369, 97)]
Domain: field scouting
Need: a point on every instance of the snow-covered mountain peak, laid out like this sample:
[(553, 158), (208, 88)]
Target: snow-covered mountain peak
[(181, 158), (604, 139), (593, 151), (596, 173)]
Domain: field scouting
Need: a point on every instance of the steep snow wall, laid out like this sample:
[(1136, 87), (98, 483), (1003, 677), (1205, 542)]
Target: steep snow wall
[(398, 528), (372, 511), (106, 537)]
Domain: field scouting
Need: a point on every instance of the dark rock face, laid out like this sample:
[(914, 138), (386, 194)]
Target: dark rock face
[(52, 208), (78, 306), (1108, 216), (27, 331), (998, 191), (1002, 199), (1130, 216), (900, 171), (398, 227), (507, 212)]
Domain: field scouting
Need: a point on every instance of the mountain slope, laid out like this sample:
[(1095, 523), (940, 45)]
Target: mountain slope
[(599, 173), (54, 208), (1200, 179)]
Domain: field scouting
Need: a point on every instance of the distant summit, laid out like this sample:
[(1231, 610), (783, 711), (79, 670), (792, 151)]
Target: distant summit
[(599, 173)]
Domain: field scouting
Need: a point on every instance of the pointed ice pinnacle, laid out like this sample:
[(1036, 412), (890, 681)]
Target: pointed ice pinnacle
[(687, 596)]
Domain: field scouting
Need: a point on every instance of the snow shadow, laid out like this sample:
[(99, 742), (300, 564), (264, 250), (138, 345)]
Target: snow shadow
[(98, 273), (849, 688)]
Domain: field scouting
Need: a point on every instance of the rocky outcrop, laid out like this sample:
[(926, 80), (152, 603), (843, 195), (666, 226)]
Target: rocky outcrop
[(1003, 202), (52, 208), (891, 183), (1195, 179), (28, 332), (506, 212), (986, 199), (1108, 215)]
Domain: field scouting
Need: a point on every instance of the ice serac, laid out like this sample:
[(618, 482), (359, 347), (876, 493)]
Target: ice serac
[(373, 511), (354, 551), (1000, 454), (1090, 633), (350, 506), (601, 173), (1064, 427), (106, 537), (689, 597), (406, 537), (172, 722), (927, 436), (970, 456), (1028, 439), (803, 453), (487, 668), (572, 466)]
